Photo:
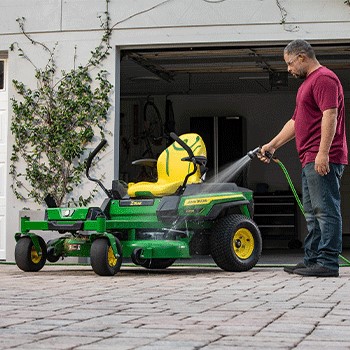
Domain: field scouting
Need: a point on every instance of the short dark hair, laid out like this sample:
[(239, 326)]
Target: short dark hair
[(298, 46)]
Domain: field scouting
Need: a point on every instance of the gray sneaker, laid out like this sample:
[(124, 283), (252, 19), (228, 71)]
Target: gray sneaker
[(290, 269), (317, 271)]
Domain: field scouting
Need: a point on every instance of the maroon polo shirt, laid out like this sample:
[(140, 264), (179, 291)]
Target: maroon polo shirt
[(320, 91)]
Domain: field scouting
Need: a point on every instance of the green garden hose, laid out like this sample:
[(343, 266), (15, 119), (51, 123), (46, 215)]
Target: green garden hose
[(298, 199)]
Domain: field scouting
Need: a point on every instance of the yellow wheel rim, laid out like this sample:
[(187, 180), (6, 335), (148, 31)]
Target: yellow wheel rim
[(112, 260), (34, 256), (243, 243)]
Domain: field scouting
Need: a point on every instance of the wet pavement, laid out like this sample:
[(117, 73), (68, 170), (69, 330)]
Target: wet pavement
[(183, 307)]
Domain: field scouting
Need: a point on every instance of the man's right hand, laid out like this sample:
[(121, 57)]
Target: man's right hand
[(266, 153)]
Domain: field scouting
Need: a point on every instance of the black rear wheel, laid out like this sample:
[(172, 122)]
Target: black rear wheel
[(26, 256), (235, 243), (103, 261)]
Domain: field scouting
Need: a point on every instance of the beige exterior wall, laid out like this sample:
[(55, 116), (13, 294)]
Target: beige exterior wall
[(154, 23)]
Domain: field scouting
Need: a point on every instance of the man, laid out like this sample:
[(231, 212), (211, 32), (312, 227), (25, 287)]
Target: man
[(318, 126)]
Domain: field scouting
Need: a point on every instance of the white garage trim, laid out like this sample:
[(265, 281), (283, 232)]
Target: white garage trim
[(3, 153)]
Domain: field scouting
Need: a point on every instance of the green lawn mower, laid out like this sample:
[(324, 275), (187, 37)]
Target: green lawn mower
[(153, 223)]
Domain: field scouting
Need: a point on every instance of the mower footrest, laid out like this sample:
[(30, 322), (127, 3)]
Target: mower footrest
[(157, 249), (63, 226)]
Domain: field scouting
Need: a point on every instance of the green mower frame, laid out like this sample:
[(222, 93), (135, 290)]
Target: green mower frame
[(199, 218)]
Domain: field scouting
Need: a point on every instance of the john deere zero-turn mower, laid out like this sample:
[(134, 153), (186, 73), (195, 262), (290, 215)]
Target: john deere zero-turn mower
[(153, 223)]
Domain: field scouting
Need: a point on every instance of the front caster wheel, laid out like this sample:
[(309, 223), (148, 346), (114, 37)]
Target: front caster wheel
[(236, 243), (51, 257), (103, 261), (153, 264), (26, 256), (136, 257), (158, 263)]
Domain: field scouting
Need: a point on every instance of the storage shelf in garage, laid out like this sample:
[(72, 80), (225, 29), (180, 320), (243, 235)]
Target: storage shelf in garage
[(277, 218)]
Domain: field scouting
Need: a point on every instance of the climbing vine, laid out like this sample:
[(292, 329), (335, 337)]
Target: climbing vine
[(54, 122), (283, 21)]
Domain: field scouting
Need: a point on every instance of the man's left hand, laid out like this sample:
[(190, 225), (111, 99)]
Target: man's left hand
[(322, 164)]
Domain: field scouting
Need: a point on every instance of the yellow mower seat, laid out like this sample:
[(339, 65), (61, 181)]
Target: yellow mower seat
[(171, 169)]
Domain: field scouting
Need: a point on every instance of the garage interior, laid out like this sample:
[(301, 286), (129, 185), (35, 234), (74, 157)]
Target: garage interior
[(236, 98)]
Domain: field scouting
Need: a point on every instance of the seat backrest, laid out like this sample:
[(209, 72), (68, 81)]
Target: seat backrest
[(170, 166), (172, 170)]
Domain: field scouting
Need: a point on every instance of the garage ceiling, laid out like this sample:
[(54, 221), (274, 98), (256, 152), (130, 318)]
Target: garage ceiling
[(218, 69)]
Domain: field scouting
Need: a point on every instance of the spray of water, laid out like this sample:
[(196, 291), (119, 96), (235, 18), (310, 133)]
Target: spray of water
[(231, 171), (227, 174)]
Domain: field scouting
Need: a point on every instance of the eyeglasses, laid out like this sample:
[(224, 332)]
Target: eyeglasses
[(290, 62)]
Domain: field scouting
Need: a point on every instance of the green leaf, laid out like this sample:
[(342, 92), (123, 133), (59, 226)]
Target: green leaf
[(54, 123)]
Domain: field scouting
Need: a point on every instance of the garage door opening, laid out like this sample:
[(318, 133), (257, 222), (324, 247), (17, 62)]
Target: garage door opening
[(205, 89), (247, 83)]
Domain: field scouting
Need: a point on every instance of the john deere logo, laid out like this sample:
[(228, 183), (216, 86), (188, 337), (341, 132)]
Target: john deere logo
[(202, 201), (197, 201)]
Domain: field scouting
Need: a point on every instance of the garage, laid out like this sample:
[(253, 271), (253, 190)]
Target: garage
[(236, 97)]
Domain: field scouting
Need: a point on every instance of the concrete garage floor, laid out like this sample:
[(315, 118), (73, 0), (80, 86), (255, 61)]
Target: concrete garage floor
[(290, 256), (273, 257)]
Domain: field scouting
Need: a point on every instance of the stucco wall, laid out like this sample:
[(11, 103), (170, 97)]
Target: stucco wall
[(22, 70), (159, 23), (182, 21)]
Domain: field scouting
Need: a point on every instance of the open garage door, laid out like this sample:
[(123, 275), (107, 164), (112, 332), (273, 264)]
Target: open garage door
[(218, 70), (232, 82), (211, 83)]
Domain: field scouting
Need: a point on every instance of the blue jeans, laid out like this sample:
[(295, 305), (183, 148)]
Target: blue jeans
[(321, 201)]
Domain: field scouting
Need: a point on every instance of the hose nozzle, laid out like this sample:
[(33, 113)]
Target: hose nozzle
[(252, 154)]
